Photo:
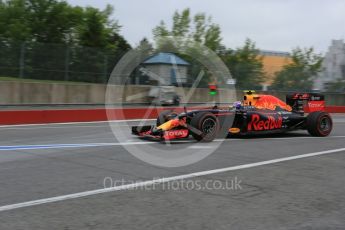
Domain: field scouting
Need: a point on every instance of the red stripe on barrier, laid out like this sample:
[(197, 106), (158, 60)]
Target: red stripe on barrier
[(86, 115), (335, 109), (77, 115), (51, 116)]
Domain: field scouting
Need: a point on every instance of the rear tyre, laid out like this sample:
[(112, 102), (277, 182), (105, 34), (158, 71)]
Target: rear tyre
[(208, 124), (165, 116), (319, 124)]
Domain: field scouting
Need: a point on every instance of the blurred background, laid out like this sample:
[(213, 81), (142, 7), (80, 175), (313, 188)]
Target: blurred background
[(63, 52)]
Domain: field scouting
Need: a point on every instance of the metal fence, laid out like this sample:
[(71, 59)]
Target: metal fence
[(61, 62), (56, 62)]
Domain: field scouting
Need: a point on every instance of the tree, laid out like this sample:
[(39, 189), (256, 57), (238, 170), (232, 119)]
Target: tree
[(160, 30), (96, 28), (200, 29), (145, 46), (120, 43), (181, 23), (49, 20), (54, 21), (36, 20), (299, 74), (60, 41), (184, 32), (14, 24), (245, 66)]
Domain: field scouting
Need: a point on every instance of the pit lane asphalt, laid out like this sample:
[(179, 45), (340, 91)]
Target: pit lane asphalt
[(299, 194)]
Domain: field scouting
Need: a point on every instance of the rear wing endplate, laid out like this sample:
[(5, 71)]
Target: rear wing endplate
[(306, 102)]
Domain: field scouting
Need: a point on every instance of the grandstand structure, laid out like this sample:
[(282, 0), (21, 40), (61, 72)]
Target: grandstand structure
[(273, 61)]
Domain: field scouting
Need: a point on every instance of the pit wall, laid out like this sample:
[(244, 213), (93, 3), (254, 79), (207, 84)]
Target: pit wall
[(68, 93)]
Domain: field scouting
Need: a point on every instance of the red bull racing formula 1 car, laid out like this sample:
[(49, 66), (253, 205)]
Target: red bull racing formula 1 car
[(256, 114)]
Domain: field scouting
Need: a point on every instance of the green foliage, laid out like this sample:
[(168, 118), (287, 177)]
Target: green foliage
[(14, 22), (244, 63), (55, 37), (53, 21), (35, 20), (198, 28), (48, 20), (97, 30), (181, 23), (299, 75), (160, 30), (245, 66), (187, 29), (145, 47), (212, 37)]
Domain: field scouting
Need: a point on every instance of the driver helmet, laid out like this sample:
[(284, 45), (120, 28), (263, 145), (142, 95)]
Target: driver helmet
[(237, 104)]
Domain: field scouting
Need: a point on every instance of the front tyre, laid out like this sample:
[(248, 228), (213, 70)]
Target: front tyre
[(208, 124), (319, 124)]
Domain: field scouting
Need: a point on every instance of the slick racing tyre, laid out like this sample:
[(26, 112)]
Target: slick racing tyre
[(208, 124), (165, 116), (319, 124)]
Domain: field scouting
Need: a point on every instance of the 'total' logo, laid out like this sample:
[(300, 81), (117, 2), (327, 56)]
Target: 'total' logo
[(168, 135), (177, 133), (264, 124)]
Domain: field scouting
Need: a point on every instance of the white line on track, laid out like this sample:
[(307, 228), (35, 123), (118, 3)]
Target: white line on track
[(133, 142), (276, 138), (162, 180), (74, 123), (62, 146)]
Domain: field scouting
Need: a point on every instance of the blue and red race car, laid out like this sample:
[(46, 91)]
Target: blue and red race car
[(256, 114)]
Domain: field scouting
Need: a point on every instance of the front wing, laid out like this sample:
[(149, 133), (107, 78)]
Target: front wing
[(150, 132)]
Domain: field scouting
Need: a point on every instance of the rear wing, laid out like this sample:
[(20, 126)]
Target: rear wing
[(306, 102)]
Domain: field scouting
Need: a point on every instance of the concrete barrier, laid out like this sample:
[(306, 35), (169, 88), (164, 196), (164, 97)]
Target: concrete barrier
[(79, 93), (68, 93)]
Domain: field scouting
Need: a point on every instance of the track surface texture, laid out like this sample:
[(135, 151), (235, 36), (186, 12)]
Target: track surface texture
[(301, 193)]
